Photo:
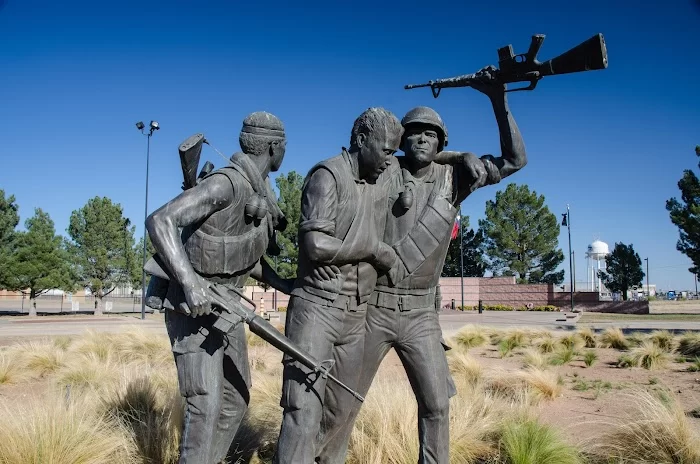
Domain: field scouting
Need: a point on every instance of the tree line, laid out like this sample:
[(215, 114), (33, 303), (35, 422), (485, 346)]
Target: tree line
[(518, 237)]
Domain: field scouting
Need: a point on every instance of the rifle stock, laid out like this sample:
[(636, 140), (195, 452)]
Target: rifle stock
[(587, 56)]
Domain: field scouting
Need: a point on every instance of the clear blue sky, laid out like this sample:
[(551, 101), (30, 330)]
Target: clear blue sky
[(612, 144)]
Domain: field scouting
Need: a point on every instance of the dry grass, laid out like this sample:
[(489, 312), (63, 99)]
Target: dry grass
[(664, 340), (650, 356), (55, 432), (689, 344), (613, 337), (655, 431), (114, 398), (471, 336), (588, 337)]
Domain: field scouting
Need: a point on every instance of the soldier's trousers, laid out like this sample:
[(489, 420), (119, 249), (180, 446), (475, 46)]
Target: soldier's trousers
[(324, 332), (214, 378), (415, 334)]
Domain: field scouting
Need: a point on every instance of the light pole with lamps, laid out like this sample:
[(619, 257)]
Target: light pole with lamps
[(566, 221), (153, 127), (648, 288)]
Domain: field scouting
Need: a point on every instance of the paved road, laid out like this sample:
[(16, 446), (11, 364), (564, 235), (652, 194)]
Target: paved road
[(23, 327)]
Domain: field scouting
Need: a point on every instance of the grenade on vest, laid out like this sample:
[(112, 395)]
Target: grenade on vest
[(256, 207), (406, 198)]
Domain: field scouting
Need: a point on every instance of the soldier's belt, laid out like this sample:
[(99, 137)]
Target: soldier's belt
[(402, 302)]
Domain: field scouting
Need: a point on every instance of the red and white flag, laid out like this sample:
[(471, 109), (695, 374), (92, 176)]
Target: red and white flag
[(455, 228)]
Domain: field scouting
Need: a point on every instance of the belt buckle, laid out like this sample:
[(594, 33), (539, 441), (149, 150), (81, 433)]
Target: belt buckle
[(401, 303)]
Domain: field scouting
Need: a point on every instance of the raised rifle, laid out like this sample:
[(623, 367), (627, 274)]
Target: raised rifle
[(587, 56)]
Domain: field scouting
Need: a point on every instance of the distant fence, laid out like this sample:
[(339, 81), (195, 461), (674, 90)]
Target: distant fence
[(63, 303)]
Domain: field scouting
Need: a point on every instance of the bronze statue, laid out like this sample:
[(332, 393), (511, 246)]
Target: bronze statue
[(227, 218), (404, 314), (343, 212)]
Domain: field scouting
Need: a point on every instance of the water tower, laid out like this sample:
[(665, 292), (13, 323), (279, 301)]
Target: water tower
[(595, 260)]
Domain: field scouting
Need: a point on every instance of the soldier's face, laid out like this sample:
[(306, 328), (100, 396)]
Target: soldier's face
[(376, 151), (278, 151), (421, 143)]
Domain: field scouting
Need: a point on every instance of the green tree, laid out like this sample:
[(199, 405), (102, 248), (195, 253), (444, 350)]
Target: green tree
[(39, 261), (686, 215), (137, 265), (623, 269), (521, 236), (102, 246), (289, 201), (9, 218), (474, 265)]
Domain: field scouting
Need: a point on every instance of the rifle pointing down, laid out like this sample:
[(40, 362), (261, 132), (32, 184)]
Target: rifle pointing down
[(587, 56), (226, 307)]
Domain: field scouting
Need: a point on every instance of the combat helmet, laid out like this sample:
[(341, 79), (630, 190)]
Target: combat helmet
[(425, 115)]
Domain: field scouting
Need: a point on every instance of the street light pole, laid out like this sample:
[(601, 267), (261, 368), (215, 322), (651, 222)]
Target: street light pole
[(567, 222), (461, 257), (648, 288), (153, 127)]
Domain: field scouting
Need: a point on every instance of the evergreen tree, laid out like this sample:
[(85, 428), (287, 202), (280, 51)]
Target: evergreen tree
[(686, 215), (39, 261), (9, 218), (102, 247), (623, 269), (474, 265), (521, 236), (289, 201)]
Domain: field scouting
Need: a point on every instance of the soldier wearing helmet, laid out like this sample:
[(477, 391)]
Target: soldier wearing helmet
[(404, 314)]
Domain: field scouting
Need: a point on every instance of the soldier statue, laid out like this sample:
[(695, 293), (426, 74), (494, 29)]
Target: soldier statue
[(227, 221), (343, 212), (404, 314)]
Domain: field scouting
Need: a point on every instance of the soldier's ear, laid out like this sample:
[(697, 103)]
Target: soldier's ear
[(360, 139)]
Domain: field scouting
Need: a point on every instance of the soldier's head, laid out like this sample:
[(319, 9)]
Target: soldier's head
[(263, 136), (375, 137), (425, 135)]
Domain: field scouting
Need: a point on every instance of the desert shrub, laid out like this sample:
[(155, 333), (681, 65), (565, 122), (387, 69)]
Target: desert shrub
[(10, 369), (627, 360), (613, 337), (52, 431), (571, 341), (152, 418), (534, 358), (471, 336), (546, 344), (655, 430), (544, 384), (530, 442), (650, 356), (689, 344), (562, 356), (589, 358), (695, 366), (588, 336), (664, 340), (464, 368), (537, 308)]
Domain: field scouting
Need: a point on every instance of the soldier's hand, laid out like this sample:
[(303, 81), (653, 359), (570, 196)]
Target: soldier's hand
[(488, 83), (386, 257), (197, 296), (476, 169), (326, 272)]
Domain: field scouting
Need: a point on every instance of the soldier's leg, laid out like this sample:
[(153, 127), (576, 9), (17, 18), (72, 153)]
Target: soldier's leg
[(235, 391), (339, 416), (198, 352), (423, 357), (314, 328)]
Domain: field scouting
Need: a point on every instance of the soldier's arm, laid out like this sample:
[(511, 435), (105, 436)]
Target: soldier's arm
[(191, 206), (318, 212), (263, 272), (473, 172)]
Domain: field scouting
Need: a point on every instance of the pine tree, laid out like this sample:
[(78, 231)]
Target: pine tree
[(521, 236), (686, 216), (623, 269)]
